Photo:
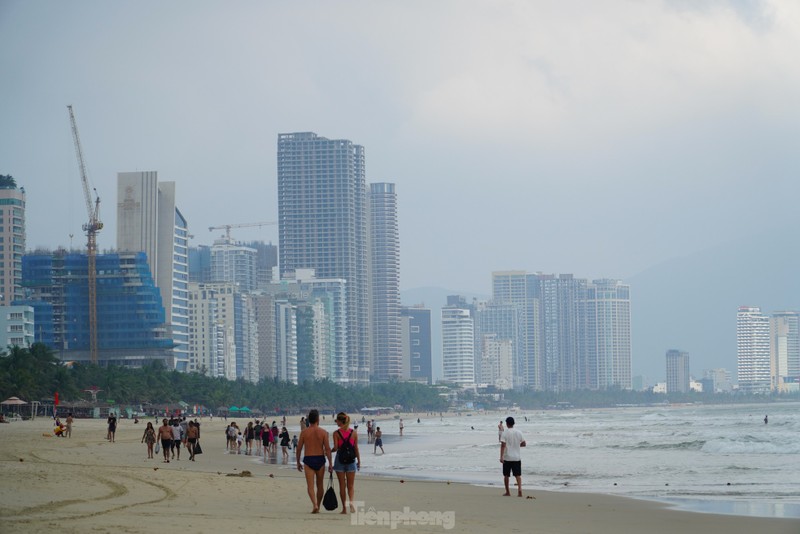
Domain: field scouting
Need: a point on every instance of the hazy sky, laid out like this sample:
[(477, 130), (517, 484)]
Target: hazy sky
[(592, 137)]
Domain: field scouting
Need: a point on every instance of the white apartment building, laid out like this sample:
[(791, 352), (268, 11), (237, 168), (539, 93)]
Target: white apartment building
[(212, 346), (458, 346), (16, 326), (752, 350), (12, 242)]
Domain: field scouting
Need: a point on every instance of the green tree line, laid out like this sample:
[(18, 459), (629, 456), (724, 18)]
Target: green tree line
[(36, 374)]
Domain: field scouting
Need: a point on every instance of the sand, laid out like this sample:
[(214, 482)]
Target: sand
[(86, 484)]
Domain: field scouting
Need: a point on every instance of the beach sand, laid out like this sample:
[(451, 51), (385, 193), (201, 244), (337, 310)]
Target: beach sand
[(86, 484)]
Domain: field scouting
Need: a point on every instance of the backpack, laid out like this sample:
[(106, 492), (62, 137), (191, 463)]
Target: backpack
[(347, 452)]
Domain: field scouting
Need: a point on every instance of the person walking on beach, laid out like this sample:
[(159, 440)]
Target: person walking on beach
[(510, 455), (766, 419), (378, 441), (177, 438), (284, 435), (500, 430), (314, 442), (69, 424), (347, 460), (112, 426), (165, 435), (192, 435), (149, 437), (401, 426)]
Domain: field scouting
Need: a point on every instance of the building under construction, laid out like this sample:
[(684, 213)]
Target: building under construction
[(131, 327)]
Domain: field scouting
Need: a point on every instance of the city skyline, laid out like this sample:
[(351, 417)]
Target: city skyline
[(602, 144)]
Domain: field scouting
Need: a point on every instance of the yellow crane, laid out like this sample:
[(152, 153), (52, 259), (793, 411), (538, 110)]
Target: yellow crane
[(91, 228), (227, 227)]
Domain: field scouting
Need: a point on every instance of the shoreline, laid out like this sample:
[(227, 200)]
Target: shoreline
[(85, 483)]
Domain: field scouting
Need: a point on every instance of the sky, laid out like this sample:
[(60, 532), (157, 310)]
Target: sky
[(596, 138)]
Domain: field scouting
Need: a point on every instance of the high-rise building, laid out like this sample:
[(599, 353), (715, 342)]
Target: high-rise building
[(572, 334), (677, 371), (416, 332), (561, 301), (608, 325), (496, 361), (131, 326), (234, 262), (16, 326), (149, 221), (458, 344), (212, 323), (12, 240), (752, 350), (384, 251), (496, 323), (322, 213), (784, 327), (266, 261)]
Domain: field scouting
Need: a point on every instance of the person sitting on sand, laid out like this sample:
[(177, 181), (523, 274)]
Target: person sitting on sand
[(314, 442)]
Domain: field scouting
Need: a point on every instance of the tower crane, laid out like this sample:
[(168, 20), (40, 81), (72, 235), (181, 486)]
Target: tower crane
[(91, 228), (227, 227)]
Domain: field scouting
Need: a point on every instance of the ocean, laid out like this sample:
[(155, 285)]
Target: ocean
[(720, 459)]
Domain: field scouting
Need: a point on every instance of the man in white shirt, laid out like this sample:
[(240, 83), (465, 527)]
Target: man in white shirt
[(510, 443)]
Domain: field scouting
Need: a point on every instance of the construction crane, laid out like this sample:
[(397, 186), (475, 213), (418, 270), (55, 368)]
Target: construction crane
[(91, 228), (227, 227)]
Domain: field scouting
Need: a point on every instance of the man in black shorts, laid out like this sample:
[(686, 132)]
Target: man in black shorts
[(510, 442)]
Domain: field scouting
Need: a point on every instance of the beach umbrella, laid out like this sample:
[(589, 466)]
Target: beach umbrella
[(13, 401), (233, 409), (244, 409)]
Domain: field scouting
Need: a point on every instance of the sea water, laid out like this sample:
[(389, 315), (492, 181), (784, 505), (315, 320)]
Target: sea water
[(721, 458)]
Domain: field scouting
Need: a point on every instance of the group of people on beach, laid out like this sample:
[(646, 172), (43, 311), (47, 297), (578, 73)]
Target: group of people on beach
[(169, 437), (257, 437)]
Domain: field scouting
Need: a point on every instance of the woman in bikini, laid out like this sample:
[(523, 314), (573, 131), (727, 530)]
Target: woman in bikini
[(314, 442)]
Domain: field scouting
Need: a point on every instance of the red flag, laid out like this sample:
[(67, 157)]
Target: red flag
[(55, 401)]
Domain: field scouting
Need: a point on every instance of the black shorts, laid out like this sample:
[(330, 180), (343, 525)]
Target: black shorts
[(514, 468), (176, 443)]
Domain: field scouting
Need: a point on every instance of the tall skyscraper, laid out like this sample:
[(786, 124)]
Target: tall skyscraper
[(561, 302), (12, 240), (677, 371), (322, 214), (785, 350), (752, 350), (148, 220), (458, 344), (384, 251), (608, 324), (511, 288)]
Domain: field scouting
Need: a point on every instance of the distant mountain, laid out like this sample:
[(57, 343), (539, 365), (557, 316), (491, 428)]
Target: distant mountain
[(690, 303)]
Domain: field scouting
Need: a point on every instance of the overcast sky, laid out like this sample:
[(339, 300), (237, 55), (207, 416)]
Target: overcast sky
[(597, 137)]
